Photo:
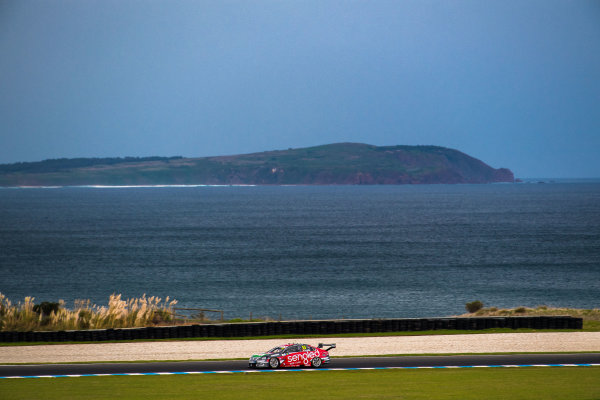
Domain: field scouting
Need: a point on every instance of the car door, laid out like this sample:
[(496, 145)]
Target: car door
[(307, 353), (294, 356)]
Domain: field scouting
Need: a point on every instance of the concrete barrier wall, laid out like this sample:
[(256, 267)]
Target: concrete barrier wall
[(324, 327)]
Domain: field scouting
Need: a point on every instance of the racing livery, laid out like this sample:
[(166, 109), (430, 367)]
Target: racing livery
[(292, 355)]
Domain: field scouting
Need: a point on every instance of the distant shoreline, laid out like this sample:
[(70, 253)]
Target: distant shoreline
[(524, 181), (330, 164)]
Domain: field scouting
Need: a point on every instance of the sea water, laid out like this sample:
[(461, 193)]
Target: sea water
[(307, 251)]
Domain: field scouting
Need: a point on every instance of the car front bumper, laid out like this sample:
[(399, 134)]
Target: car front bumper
[(255, 363)]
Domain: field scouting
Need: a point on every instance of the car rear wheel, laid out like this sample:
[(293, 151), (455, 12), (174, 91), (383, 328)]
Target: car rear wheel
[(316, 362), (274, 362)]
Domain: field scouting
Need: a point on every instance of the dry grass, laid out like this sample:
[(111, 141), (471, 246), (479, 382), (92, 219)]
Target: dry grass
[(593, 314), (136, 312), (591, 317)]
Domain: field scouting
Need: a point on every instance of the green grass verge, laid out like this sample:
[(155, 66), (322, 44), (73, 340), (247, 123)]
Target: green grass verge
[(339, 335), (522, 383), (361, 356), (591, 326)]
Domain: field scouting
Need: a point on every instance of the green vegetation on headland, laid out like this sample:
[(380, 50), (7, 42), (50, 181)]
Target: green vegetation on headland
[(474, 383), (333, 164), (64, 164)]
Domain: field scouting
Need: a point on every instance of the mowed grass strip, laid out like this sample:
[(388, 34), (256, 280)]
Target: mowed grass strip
[(494, 383)]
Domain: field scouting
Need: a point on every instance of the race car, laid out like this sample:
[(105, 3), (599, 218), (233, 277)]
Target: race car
[(292, 355)]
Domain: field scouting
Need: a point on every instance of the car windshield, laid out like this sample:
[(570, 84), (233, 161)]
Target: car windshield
[(277, 349)]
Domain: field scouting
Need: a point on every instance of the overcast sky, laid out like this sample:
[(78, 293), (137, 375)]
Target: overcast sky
[(513, 83)]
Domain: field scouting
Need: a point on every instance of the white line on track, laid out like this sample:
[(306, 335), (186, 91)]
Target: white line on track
[(298, 370)]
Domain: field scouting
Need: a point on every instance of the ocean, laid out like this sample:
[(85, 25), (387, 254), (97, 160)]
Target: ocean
[(307, 251)]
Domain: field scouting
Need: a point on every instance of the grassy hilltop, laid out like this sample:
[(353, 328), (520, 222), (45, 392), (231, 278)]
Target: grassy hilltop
[(332, 164)]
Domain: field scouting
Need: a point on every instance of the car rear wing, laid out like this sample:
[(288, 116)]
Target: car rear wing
[(331, 346)]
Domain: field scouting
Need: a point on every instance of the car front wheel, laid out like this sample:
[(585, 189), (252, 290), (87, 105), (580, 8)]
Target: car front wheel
[(274, 362)]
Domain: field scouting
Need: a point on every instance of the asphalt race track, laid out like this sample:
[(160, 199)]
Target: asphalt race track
[(354, 362)]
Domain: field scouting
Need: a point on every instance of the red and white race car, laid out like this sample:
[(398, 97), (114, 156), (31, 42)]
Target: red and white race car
[(293, 355)]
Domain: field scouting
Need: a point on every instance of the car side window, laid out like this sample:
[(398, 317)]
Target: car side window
[(294, 349)]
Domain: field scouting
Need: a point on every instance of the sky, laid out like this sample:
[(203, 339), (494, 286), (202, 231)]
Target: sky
[(515, 83)]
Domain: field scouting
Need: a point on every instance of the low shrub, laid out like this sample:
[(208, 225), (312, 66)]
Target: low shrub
[(45, 308), (474, 306)]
